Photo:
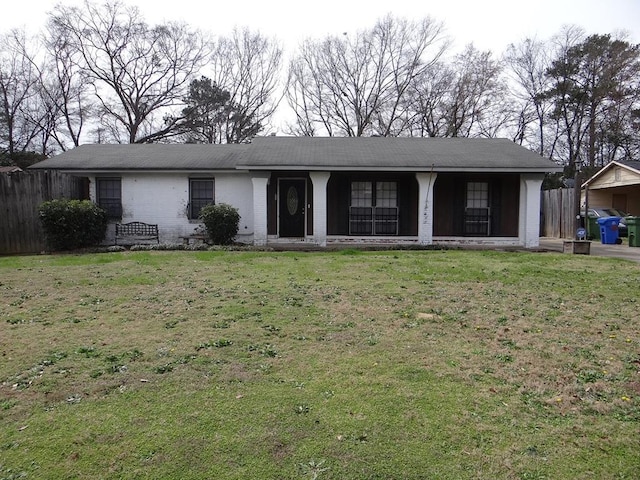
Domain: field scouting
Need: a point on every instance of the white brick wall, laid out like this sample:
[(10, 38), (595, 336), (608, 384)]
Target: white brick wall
[(162, 198)]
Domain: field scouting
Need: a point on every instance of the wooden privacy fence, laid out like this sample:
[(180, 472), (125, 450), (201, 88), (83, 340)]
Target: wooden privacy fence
[(558, 213), (21, 193)]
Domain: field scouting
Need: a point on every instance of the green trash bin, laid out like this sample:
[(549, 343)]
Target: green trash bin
[(633, 229), (593, 229)]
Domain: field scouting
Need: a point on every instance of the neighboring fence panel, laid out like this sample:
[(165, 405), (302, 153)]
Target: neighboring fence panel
[(558, 213), (20, 195)]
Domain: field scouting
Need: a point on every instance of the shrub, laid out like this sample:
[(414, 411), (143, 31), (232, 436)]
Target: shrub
[(221, 221), (70, 224)]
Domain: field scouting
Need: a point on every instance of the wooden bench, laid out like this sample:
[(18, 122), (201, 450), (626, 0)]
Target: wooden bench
[(134, 232)]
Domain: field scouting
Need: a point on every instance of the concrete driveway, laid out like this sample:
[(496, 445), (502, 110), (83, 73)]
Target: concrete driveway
[(622, 251)]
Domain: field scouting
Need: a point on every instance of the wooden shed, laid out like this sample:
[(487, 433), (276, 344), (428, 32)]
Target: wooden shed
[(616, 185)]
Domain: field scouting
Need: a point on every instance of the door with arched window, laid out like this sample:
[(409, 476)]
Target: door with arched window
[(291, 207)]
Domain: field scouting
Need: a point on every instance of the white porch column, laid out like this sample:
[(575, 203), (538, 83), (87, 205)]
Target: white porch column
[(319, 181), (426, 180), (529, 229), (260, 181)]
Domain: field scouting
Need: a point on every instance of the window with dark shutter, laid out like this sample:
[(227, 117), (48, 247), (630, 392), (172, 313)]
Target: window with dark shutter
[(109, 196), (201, 193)]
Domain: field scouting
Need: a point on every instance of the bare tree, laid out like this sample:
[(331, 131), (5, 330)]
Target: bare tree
[(312, 94), (56, 106), (358, 86), (18, 93), (568, 114), (476, 87), (462, 99), (528, 62), (52, 106), (64, 87), (247, 65), (429, 97), (139, 73)]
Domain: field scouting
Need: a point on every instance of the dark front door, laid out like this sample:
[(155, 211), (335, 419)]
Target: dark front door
[(291, 207)]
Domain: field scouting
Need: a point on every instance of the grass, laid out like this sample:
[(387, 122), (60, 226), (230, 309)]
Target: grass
[(337, 365)]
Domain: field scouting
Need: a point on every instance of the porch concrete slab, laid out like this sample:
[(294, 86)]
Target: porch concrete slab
[(622, 251)]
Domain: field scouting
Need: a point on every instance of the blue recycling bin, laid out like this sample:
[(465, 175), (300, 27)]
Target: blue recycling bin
[(609, 230)]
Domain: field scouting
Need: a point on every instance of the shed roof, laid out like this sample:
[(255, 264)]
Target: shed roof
[(632, 164), (311, 153)]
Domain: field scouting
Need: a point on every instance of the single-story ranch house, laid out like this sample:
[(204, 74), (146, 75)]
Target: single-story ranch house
[(324, 190)]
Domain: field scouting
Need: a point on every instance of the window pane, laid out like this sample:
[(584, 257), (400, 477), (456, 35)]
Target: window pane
[(361, 194), (386, 194), (373, 208), (477, 213), (477, 195), (109, 196), (201, 193)]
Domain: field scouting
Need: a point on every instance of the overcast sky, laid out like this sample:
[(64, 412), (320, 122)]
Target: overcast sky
[(489, 24)]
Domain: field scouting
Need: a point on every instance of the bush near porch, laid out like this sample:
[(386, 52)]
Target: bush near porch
[(222, 222)]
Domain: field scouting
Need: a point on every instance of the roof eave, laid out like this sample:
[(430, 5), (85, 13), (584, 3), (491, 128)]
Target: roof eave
[(96, 171), (425, 168)]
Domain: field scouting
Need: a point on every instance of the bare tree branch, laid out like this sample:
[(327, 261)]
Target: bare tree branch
[(357, 86), (247, 65), (136, 70)]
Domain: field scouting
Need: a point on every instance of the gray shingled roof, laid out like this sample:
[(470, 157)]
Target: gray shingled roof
[(384, 153), (311, 153), (631, 164), (147, 157)]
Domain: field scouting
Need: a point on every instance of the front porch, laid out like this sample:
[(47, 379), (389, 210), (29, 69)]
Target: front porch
[(396, 208)]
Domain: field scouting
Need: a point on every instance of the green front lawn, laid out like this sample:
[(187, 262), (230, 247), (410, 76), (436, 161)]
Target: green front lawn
[(336, 365)]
